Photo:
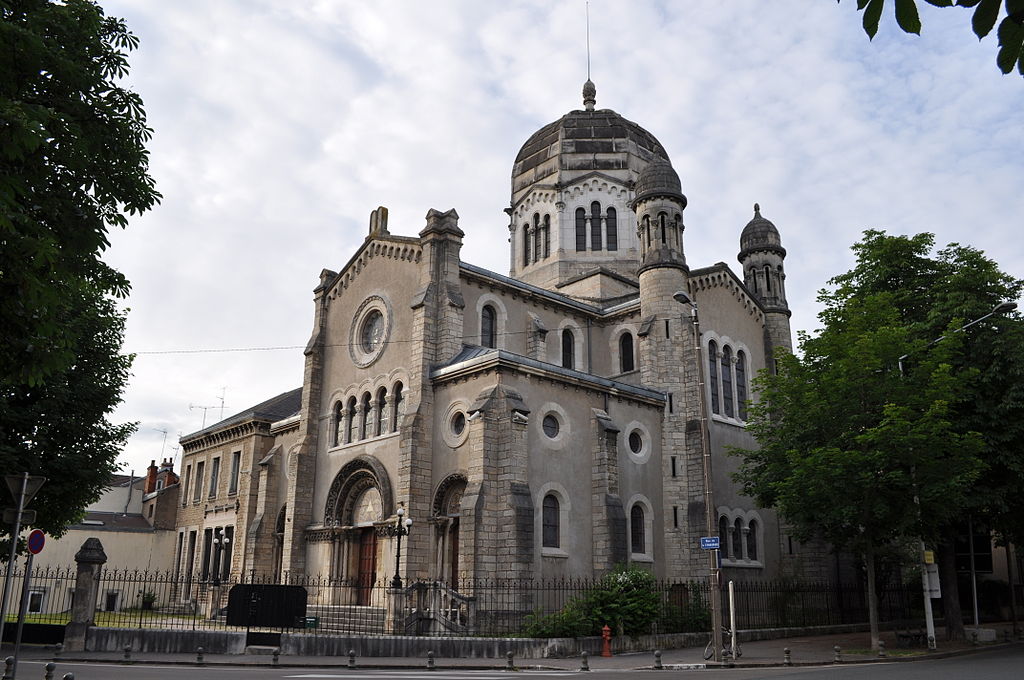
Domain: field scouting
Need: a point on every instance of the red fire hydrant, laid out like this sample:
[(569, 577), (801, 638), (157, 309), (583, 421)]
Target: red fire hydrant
[(606, 646)]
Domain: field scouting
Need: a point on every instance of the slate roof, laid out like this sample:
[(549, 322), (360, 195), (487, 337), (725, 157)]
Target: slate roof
[(276, 408)]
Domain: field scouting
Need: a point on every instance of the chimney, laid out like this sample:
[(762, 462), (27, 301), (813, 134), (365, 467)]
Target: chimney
[(150, 486)]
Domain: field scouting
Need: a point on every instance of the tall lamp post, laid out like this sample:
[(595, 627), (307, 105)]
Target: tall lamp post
[(220, 544), (1001, 308), (709, 509), (398, 529)]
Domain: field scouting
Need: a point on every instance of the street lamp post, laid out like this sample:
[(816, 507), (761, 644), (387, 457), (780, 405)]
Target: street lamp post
[(220, 544), (1001, 308), (709, 511), (398, 529)]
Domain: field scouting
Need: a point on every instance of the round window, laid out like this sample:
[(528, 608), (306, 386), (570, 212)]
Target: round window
[(636, 441), (458, 423), (372, 332), (551, 426)]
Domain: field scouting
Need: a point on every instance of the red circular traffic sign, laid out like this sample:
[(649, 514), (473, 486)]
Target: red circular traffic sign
[(36, 539)]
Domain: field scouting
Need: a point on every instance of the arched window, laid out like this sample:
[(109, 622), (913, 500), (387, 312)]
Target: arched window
[(397, 407), (637, 544), (366, 424), (767, 279), (488, 323), (382, 411), (568, 349), (581, 229), (753, 277), (677, 229), (661, 226), (611, 228), (741, 384), (626, 352), (645, 231), (351, 422), (737, 539), (526, 244), (547, 236), (752, 540), (338, 436), (549, 522), (723, 536), (727, 401), (536, 237), (595, 226), (713, 375)]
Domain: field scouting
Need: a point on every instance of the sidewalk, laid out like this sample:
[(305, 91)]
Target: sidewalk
[(817, 650)]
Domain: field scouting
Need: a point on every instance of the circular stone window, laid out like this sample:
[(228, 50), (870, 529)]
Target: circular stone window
[(370, 329), (636, 442), (551, 426), (458, 423)]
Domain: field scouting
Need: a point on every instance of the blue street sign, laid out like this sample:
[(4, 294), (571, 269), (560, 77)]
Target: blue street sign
[(709, 543)]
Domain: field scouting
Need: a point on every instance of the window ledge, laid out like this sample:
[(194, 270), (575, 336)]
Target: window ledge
[(641, 557), (726, 420), (743, 564), (554, 552)]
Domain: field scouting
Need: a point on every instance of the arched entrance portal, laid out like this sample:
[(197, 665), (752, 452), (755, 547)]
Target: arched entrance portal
[(359, 498), (447, 511)]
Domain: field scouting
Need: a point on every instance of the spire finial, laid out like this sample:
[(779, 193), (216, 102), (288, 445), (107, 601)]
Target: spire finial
[(589, 89), (757, 210)]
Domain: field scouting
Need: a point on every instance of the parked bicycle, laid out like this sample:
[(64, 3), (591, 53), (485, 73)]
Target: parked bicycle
[(727, 651)]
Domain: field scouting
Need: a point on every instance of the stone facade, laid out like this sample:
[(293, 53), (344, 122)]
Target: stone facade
[(541, 424)]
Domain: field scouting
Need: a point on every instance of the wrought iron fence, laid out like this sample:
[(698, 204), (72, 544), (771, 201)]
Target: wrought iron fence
[(140, 599)]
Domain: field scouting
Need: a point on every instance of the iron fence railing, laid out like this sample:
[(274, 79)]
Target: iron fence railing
[(140, 599)]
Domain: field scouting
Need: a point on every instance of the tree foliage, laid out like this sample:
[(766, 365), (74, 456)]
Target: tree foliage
[(1010, 34), (73, 164)]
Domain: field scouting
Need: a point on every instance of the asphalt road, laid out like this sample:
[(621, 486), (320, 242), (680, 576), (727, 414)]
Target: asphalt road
[(1000, 664)]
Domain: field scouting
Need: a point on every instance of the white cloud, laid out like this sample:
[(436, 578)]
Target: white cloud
[(281, 125)]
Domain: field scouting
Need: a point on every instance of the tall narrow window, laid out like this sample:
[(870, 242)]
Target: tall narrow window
[(236, 468), (366, 422), (207, 546), (741, 384), (397, 406), (661, 226), (188, 484), (488, 321), (547, 236), (611, 230), (581, 229), (550, 522), (723, 536), (727, 381), (382, 411), (637, 542), (197, 490), (568, 349), (526, 244), (352, 421), (767, 279), (713, 375), (214, 477), (645, 231), (626, 352), (536, 237), (752, 540), (595, 226), (338, 436), (737, 539)]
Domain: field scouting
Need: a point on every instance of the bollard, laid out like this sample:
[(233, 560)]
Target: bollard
[(881, 649), (351, 658), (50, 667), (127, 653), (657, 660), (787, 658), (276, 655), (69, 676), (8, 666), (510, 666), (430, 661), (584, 666), (931, 643), (974, 637), (838, 658), (199, 655), (58, 649)]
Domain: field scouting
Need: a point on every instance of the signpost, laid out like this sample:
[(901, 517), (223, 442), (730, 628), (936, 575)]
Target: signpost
[(23, 487), (36, 540), (710, 543)]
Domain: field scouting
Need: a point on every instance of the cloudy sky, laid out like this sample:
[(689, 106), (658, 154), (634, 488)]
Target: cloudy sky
[(279, 125)]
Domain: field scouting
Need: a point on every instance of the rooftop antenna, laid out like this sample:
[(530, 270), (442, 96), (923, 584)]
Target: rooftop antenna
[(205, 409), (164, 445), (223, 393)]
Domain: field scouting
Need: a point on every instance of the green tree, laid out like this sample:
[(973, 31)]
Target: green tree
[(1010, 33), (73, 164), (866, 457)]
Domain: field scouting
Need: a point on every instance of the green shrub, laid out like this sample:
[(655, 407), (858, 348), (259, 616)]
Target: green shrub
[(569, 622)]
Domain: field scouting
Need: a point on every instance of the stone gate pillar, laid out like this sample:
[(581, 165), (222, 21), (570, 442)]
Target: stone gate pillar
[(90, 559)]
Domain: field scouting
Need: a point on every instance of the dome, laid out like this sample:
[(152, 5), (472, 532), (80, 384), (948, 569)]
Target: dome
[(760, 234), (581, 142), (659, 179)]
